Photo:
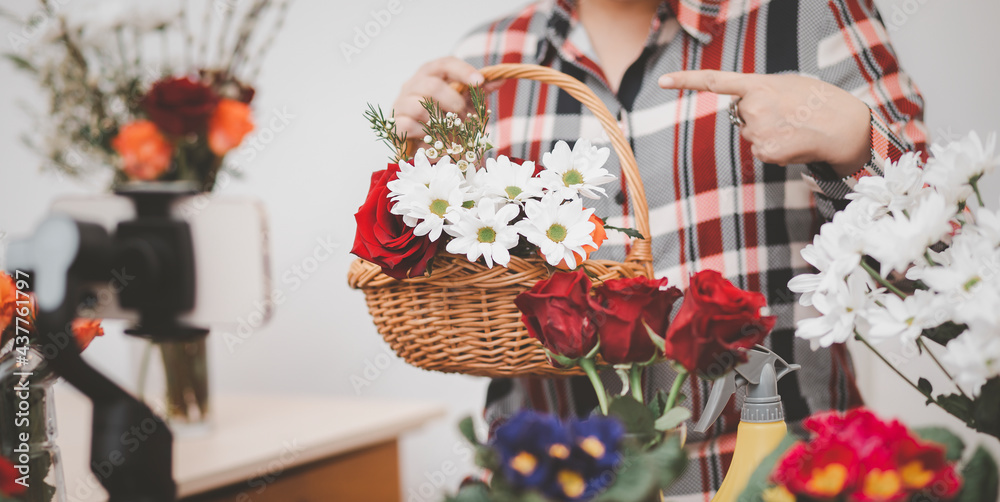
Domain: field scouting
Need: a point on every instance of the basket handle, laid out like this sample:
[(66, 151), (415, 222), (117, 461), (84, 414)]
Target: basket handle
[(641, 251)]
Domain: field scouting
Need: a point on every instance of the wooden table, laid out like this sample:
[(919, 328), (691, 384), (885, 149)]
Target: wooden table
[(268, 449)]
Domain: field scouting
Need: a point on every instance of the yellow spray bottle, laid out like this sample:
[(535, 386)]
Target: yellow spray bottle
[(762, 423)]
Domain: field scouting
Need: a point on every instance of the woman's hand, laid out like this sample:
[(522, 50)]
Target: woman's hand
[(791, 119), (433, 80)]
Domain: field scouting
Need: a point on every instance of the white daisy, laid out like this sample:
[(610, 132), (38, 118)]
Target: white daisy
[(413, 176), (569, 173), (507, 180), (485, 231), (558, 229), (427, 207)]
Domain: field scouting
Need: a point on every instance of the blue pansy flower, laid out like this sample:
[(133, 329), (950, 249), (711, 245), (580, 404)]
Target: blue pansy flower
[(529, 444), (597, 440)]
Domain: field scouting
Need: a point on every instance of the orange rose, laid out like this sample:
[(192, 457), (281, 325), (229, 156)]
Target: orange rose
[(599, 235), (228, 125), (8, 297), (145, 152), (85, 330)]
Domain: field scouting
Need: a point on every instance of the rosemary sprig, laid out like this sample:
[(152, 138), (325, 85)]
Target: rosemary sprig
[(385, 129)]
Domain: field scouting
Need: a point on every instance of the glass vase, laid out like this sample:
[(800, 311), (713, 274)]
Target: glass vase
[(28, 424), (173, 381)]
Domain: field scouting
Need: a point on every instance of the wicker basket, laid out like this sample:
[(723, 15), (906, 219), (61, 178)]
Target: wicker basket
[(461, 318)]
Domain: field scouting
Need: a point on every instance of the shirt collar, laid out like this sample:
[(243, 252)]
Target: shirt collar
[(699, 18)]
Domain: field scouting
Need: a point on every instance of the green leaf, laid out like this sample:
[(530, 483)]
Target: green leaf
[(945, 332), (487, 458), (631, 232), (657, 403), (957, 405), (635, 480), (634, 415), (471, 493), (668, 460), (673, 418), (953, 445), (980, 475), (761, 478), (986, 414), (468, 429), (925, 387)]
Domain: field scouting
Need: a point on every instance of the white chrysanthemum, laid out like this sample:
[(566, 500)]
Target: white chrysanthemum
[(569, 173), (985, 223), (835, 252), (897, 190), (974, 357), (485, 231), (427, 207), (961, 266), (842, 308), (900, 239), (953, 167), (558, 229), (504, 179), (905, 319)]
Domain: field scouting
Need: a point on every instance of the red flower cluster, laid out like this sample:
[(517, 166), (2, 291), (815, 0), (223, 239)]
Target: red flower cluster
[(383, 239), (858, 457), (715, 320), (177, 107)]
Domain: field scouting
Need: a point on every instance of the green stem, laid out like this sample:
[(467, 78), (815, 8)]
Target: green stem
[(635, 381), (975, 188), (675, 390), (602, 395), (924, 346), (929, 397), (881, 280), (927, 256)]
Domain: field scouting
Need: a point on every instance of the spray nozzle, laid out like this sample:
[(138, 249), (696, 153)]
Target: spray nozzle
[(760, 374)]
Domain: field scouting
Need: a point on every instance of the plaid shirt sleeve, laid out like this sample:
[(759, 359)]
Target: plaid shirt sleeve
[(854, 53)]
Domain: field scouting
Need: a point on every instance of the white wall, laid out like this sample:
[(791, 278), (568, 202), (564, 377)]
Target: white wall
[(314, 173)]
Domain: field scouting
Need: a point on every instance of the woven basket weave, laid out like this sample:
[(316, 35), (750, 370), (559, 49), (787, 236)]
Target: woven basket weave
[(461, 318)]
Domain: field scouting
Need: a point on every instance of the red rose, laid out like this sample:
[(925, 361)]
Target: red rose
[(623, 306), (180, 106), (383, 239), (714, 323), (557, 312)]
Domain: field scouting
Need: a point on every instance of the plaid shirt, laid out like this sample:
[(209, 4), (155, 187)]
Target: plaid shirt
[(712, 204)]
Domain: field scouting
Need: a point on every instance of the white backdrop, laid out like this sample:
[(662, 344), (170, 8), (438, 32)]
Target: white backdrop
[(313, 173)]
